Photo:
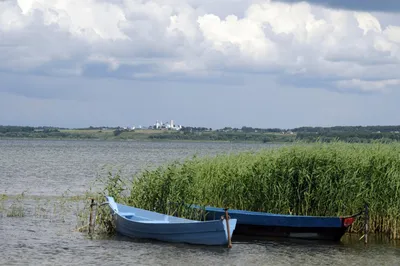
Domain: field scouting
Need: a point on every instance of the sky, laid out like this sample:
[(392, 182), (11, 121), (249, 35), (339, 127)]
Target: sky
[(269, 63)]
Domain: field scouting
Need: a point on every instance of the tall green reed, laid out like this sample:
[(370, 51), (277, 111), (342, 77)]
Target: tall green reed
[(326, 179)]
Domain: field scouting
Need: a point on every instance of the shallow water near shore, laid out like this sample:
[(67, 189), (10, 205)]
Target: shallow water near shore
[(45, 231)]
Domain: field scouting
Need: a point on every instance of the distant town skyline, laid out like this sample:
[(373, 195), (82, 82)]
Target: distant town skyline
[(259, 63)]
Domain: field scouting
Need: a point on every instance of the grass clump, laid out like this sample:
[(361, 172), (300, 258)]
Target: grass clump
[(17, 207), (317, 179)]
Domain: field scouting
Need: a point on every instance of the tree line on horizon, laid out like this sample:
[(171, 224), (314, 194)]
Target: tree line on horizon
[(357, 134), (304, 129)]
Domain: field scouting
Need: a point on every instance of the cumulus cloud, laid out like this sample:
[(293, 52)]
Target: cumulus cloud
[(296, 43)]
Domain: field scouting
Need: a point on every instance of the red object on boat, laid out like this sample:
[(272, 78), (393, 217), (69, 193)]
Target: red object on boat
[(348, 221)]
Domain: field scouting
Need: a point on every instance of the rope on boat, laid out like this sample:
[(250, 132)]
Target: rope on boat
[(227, 228)]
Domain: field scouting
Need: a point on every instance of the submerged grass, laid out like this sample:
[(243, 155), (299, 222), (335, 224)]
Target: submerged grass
[(319, 179), (17, 207)]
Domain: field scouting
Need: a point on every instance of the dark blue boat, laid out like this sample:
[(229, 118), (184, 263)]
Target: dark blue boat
[(259, 224), (139, 223)]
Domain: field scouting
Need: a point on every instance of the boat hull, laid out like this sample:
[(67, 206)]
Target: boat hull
[(202, 233), (138, 223), (260, 225), (306, 233)]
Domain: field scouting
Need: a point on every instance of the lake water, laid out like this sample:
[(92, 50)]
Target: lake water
[(46, 170)]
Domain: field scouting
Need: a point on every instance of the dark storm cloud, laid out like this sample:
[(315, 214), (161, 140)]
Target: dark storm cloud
[(362, 5)]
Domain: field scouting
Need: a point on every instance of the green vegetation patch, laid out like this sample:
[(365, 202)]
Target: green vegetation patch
[(328, 179)]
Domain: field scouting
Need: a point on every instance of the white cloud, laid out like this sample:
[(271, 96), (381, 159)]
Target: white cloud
[(246, 35), (158, 39), (367, 22), (392, 33), (89, 19), (368, 86)]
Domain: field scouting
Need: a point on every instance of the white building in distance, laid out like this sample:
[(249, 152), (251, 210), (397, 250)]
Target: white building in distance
[(167, 125)]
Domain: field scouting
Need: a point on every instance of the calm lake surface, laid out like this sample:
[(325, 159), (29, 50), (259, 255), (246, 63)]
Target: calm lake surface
[(46, 171)]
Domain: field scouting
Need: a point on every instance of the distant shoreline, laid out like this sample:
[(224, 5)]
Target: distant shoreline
[(145, 140), (353, 134)]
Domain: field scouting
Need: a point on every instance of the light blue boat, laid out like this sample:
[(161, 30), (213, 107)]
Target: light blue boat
[(138, 223)]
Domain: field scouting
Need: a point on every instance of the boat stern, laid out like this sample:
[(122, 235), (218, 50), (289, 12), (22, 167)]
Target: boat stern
[(112, 204), (232, 226)]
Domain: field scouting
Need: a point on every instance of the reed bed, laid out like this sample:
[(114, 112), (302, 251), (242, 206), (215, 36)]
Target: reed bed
[(330, 179)]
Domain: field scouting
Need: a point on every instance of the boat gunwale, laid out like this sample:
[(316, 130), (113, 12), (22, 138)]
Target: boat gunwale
[(254, 213), (187, 221)]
